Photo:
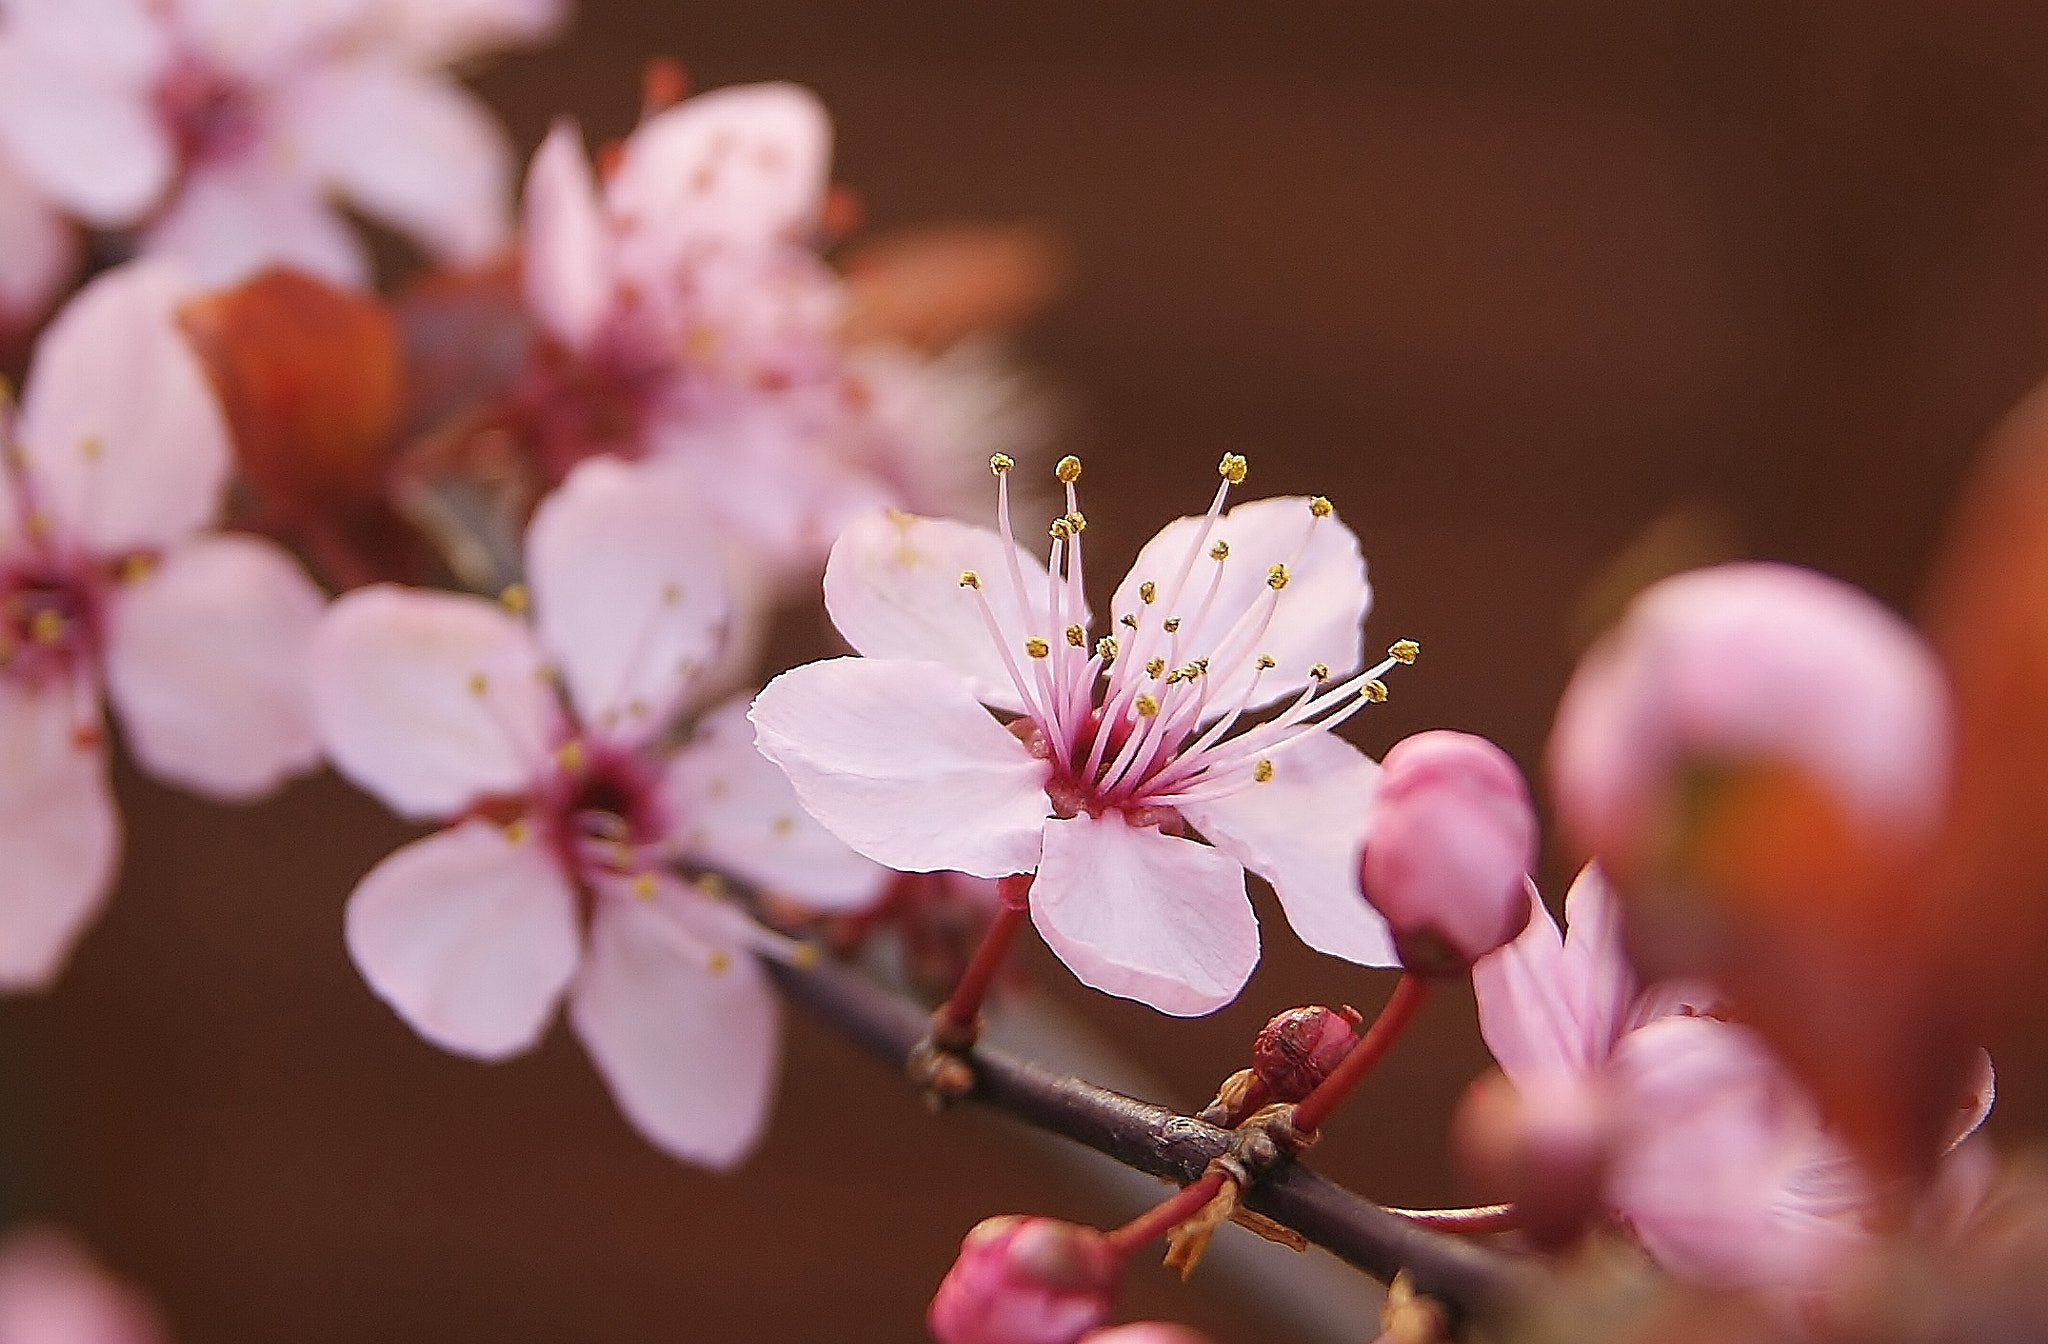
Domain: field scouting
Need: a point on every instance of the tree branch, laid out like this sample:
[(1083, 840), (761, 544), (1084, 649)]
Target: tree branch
[(1156, 1140)]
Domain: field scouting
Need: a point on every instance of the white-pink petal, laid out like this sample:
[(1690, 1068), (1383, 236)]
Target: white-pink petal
[(900, 761), (1315, 619), (1551, 1005), (207, 666), (59, 833), (52, 1292), (235, 218), (680, 1020), (407, 147), (438, 32), (733, 809), (39, 250), (1145, 916), (124, 39), (1303, 830), (892, 586), (565, 247), (431, 701), (268, 40), (629, 595), (470, 935), (122, 436), (83, 132)]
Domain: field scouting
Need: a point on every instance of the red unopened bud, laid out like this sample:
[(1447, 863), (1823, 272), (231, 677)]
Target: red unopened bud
[(1543, 1150), (1296, 1050), (1446, 861), (1022, 1280)]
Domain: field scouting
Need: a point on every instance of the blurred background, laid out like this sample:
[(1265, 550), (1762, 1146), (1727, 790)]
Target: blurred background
[(1545, 294)]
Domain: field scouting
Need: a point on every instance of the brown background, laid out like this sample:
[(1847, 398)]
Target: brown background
[(1508, 280)]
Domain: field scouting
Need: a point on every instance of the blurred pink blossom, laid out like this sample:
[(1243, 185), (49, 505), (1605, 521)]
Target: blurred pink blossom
[(38, 250), (1021, 1280), (109, 583), (221, 128), (1718, 1161), (1742, 663), (550, 747), (1123, 742), (52, 1292)]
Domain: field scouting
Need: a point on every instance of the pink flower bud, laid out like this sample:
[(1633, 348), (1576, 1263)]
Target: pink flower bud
[(1146, 1332), (1748, 664), (1023, 1280), (1296, 1050), (1447, 858), (1544, 1150)]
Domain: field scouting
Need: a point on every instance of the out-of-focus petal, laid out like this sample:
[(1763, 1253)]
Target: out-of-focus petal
[(1145, 916), (232, 220), (120, 429), (430, 700), (126, 40), (681, 1021), (409, 148), (84, 132), (440, 32), (269, 39), (629, 593), (565, 250), (902, 763), (59, 834), (1315, 619), (470, 935), (1302, 831), (892, 586), (206, 664), (39, 250), (741, 165), (734, 809), (52, 1292)]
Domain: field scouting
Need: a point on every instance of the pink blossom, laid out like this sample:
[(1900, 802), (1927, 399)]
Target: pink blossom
[(222, 127), (109, 583), (1744, 663), (1123, 743), (548, 746), (38, 250), (52, 1292), (1718, 1161), (1146, 1332), (1453, 837), (1022, 1280)]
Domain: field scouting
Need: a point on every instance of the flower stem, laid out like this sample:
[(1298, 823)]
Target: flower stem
[(962, 1010), (1166, 1215), (1315, 1108)]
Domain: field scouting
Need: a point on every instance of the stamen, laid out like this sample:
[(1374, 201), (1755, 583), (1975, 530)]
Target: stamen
[(1320, 506), (1220, 551), (1263, 771), (1077, 637), (1068, 469), (1037, 647), (1266, 662), (514, 598), (969, 579), (643, 886), (1154, 666), (1319, 672), (1404, 650), (1233, 468), (1147, 591), (478, 684), (1000, 462), (1375, 691), (1276, 577), (1173, 625), (1105, 649), (1128, 622), (570, 755), (1146, 706)]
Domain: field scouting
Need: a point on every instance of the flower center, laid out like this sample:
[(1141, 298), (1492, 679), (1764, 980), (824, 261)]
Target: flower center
[(602, 808), (210, 117), (49, 624)]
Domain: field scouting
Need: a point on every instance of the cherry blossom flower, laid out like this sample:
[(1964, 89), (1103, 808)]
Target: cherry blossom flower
[(109, 583), (223, 127), (1022, 1280), (38, 250), (688, 316), (52, 1292), (547, 747), (1718, 1161), (1119, 744)]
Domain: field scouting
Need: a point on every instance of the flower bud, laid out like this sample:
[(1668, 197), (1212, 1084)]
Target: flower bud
[(1146, 1332), (1544, 1150), (1296, 1050), (1024, 1280), (1446, 860)]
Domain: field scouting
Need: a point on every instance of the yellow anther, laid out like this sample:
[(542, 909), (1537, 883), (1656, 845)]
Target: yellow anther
[(478, 684), (1403, 650), (91, 448), (805, 956), (1263, 771), (969, 579), (719, 963), (1155, 667), (671, 593), (515, 832), (46, 627), (1077, 522), (1276, 577), (1146, 706), (1037, 647), (1375, 691), (1175, 677), (643, 886), (1000, 462), (1232, 468), (1319, 672), (781, 826), (137, 567), (1077, 637), (36, 525), (570, 755), (1320, 506), (514, 598), (1068, 470), (1105, 649), (1061, 529), (1127, 622), (1266, 662), (1147, 591), (1220, 551), (1172, 625)]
